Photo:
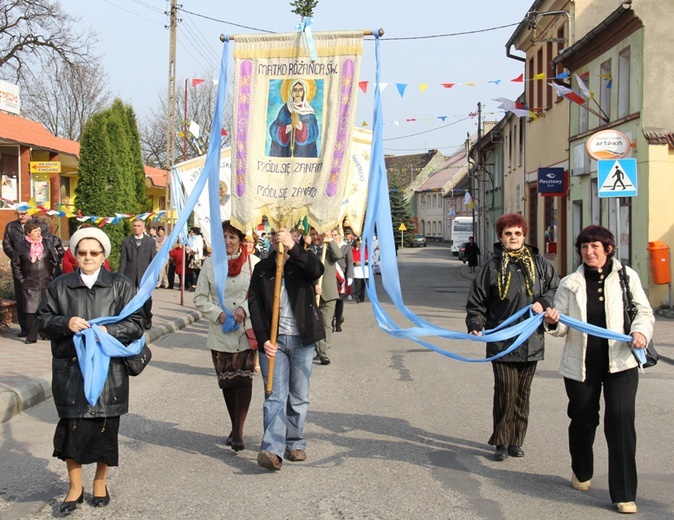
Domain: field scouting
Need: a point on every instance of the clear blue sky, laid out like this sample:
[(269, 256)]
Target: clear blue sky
[(134, 43)]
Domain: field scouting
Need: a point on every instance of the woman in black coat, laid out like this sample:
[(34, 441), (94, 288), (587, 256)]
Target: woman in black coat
[(33, 266), (87, 433), (516, 276)]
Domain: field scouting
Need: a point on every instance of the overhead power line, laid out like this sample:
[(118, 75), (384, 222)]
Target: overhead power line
[(448, 35), (427, 131)]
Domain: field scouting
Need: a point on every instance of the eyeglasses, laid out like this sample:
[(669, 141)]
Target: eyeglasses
[(93, 254), (512, 233)]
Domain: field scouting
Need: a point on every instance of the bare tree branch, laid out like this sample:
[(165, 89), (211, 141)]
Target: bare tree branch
[(64, 97), (200, 108), (33, 30)]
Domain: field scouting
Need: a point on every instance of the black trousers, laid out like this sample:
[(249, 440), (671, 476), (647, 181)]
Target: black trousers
[(620, 391), (171, 275), (512, 389), (20, 305)]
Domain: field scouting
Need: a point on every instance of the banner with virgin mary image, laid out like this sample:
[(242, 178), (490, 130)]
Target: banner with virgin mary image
[(292, 127)]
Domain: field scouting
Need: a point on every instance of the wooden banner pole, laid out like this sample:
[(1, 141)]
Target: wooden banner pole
[(320, 280), (366, 32), (276, 309)]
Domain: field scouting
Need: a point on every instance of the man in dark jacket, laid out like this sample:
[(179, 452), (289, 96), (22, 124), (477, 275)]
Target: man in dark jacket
[(300, 326), (138, 250), (329, 253)]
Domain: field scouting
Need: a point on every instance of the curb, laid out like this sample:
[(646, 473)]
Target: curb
[(16, 399), (665, 313)]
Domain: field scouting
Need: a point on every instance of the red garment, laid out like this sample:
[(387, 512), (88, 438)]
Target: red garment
[(69, 263), (235, 264), (176, 254), (355, 251)]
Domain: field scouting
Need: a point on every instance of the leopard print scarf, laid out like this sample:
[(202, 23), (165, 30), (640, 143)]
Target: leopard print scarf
[(523, 257)]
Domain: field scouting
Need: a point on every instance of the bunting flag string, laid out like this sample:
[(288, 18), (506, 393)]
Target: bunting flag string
[(402, 88), (65, 211)]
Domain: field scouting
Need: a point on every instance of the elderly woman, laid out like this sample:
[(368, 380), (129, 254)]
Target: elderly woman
[(515, 276), (87, 434), (33, 266), (233, 359), (594, 294)]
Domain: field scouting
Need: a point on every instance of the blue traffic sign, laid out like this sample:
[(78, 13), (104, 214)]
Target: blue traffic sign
[(617, 177)]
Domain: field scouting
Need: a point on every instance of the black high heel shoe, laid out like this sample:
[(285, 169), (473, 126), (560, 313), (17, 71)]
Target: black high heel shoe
[(102, 501), (71, 505)]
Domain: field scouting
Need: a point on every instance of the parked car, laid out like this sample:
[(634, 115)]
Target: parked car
[(419, 241), (462, 252)]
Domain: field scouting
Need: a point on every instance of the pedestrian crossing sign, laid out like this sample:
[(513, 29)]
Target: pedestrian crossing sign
[(617, 177)]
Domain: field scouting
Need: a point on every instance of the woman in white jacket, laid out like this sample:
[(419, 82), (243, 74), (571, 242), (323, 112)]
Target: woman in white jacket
[(233, 359), (594, 294)]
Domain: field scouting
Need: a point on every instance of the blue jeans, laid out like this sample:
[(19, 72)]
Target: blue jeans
[(285, 409)]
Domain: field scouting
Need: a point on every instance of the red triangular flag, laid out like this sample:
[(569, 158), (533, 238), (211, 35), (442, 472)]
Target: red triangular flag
[(197, 81), (448, 85), (363, 86), (223, 131), (518, 79)]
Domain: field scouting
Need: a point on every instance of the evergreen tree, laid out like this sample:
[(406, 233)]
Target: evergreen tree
[(136, 167), (401, 214), (110, 164)]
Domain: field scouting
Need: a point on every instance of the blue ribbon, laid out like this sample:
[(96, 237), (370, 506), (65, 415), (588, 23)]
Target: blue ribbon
[(95, 347), (639, 353), (307, 37), (379, 213)]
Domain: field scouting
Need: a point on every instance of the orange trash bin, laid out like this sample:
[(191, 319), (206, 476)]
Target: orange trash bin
[(659, 259)]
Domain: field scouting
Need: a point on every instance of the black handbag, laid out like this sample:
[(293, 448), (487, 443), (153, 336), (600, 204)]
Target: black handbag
[(136, 364), (630, 313)]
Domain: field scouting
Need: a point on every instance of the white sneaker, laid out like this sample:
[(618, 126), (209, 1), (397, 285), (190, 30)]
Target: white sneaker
[(627, 507), (577, 484)]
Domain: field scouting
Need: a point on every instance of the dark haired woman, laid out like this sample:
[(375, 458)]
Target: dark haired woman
[(33, 266), (593, 294), (516, 276), (233, 359)]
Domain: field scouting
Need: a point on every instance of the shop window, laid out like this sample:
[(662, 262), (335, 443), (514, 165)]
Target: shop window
[(9, 173)]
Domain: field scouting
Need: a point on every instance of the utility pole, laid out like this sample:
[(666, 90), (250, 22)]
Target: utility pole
[(476, 178), (171, 101)]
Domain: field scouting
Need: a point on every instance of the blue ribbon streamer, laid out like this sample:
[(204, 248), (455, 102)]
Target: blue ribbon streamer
[(308, 37), (95, 346), (379, 213)]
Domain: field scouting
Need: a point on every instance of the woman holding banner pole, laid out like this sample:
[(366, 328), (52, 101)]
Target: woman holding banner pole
[(289, 342), (594, 294), (515, 277)]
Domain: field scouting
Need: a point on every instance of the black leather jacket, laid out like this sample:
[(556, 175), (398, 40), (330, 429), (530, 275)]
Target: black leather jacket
[(300, 272), (486, 310), (68, 296)]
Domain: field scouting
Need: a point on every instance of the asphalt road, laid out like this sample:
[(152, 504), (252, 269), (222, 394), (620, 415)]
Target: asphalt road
[(394, 432)]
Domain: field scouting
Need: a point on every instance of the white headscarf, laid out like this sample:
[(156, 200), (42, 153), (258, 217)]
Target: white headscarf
[(303, 108)]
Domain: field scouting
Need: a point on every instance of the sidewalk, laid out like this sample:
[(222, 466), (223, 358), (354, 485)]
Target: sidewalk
[(25, 370)]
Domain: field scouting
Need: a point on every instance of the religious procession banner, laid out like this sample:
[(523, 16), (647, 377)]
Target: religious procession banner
[(352, 213), (188, 172), (292, 127)]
